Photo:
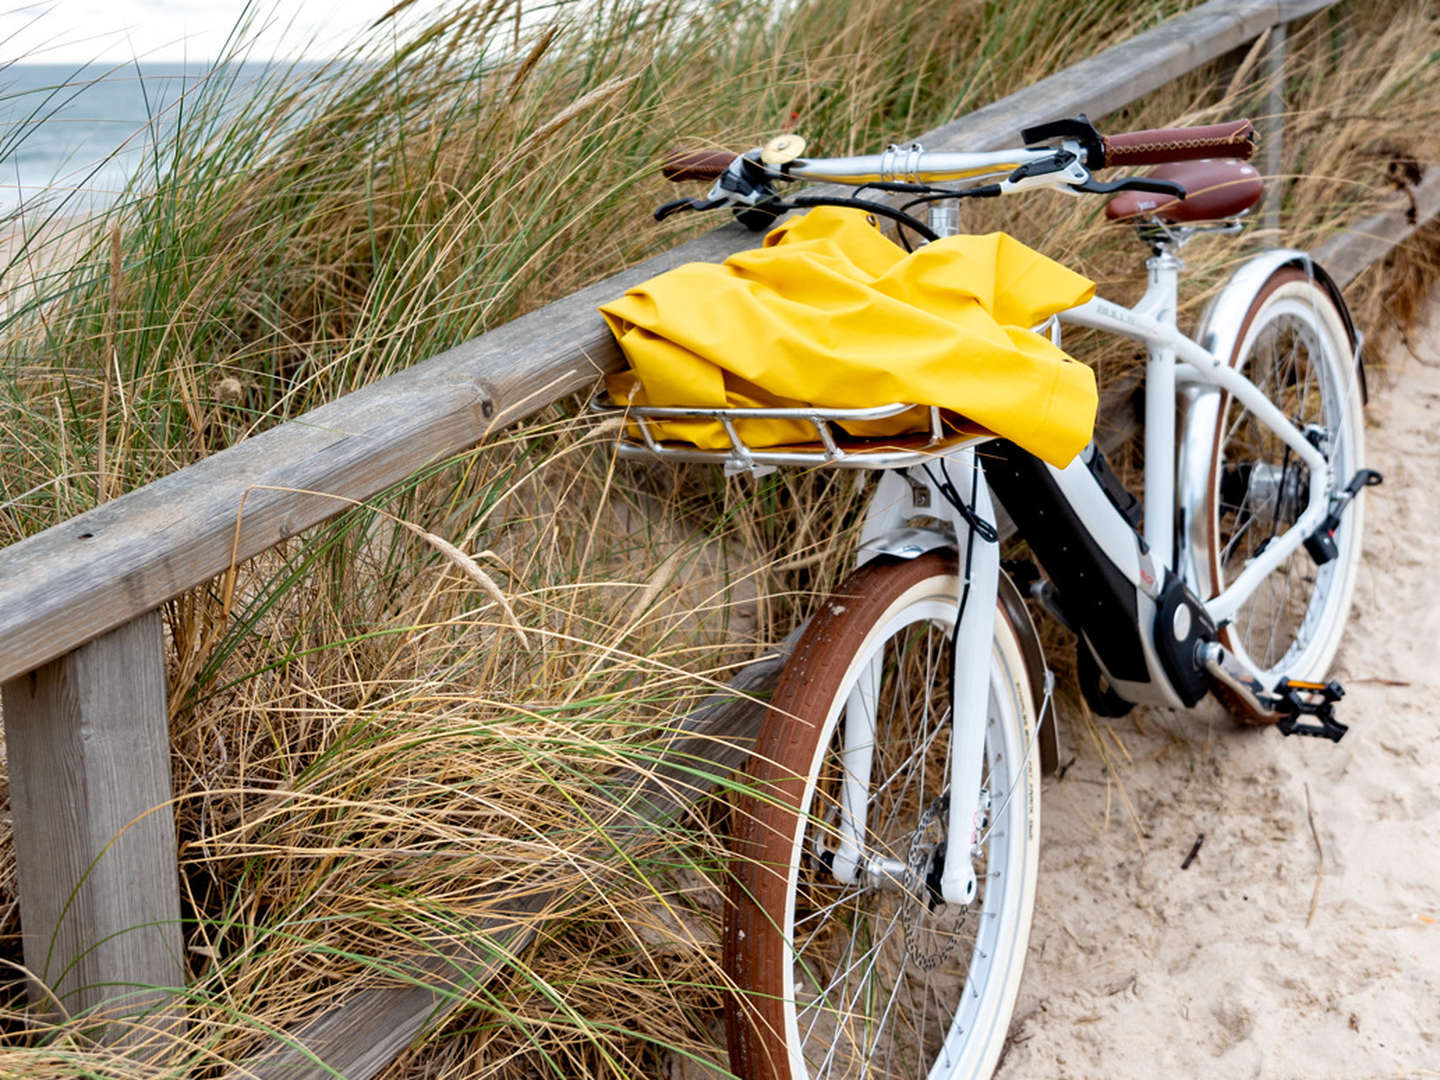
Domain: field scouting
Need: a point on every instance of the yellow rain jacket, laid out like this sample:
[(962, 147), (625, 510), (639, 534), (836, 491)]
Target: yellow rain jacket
[(831, 313)]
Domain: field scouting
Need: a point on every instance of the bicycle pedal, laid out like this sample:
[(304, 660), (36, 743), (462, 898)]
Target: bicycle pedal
[(1296, 698)]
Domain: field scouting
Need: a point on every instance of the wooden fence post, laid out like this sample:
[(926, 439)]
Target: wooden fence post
[(1272, 141), (89, 751)]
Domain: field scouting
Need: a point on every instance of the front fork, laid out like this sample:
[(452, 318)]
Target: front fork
[(970, 704), (898, 499)]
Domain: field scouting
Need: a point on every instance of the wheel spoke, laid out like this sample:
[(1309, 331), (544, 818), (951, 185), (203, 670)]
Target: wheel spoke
[(846, 1008)]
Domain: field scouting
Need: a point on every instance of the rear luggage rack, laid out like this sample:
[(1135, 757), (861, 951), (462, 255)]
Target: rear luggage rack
[(832, 448)]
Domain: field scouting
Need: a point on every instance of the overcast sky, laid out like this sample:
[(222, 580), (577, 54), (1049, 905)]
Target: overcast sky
[(74, 31)]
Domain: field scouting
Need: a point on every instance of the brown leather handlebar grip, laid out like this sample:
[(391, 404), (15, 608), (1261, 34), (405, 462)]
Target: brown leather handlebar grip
[(680, 165), (1232, 140)]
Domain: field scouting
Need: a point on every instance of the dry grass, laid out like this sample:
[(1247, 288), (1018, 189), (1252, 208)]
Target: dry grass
[(365, 749)]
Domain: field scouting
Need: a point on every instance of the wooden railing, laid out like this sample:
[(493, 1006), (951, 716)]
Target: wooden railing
[(81, 648)]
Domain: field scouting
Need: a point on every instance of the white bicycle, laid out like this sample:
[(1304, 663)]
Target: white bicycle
[(885, 865)]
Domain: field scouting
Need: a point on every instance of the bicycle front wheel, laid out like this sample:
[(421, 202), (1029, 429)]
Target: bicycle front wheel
[(1295, 348), (876, 976)]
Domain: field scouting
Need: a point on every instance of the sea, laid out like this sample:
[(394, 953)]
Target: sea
[(71, 136)]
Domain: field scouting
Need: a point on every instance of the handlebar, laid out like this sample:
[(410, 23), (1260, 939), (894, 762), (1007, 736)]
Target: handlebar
[(1151, 147), (681, 165), (1060, 155), (1162, 145)]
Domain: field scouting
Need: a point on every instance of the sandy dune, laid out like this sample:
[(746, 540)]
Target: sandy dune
[(1139, 968)]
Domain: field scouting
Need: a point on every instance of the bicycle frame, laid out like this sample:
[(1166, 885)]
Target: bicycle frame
[(1174, 360)]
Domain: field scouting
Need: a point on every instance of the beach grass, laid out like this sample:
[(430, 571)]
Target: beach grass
[(436, 697)]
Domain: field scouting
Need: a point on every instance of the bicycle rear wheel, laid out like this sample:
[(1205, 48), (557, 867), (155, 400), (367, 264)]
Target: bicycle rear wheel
[(1294, 346), (878, 977)]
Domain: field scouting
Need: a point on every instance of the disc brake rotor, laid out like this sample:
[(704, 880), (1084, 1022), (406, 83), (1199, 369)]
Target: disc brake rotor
[(931, 925)]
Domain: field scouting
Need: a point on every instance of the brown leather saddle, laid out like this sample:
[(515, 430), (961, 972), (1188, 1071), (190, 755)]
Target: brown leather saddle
[(1216, 189)]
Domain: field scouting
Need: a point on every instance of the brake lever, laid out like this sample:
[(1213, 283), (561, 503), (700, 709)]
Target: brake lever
[(676, 205), (1132, 183)]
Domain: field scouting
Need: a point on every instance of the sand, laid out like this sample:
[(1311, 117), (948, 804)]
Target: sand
[(1139, 968), (31, 252)]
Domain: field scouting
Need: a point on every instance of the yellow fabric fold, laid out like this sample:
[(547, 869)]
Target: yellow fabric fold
[(831, 313)]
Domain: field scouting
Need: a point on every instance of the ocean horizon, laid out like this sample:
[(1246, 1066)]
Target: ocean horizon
[(72, 136)]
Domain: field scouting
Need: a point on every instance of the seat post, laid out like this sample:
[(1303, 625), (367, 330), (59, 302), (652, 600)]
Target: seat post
[(1164, 240), (1160, 302)]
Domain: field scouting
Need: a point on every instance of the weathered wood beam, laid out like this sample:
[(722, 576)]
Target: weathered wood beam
[(1272, 142), (1125, 72), (97, 571), (89, 762), (1353, 250)]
